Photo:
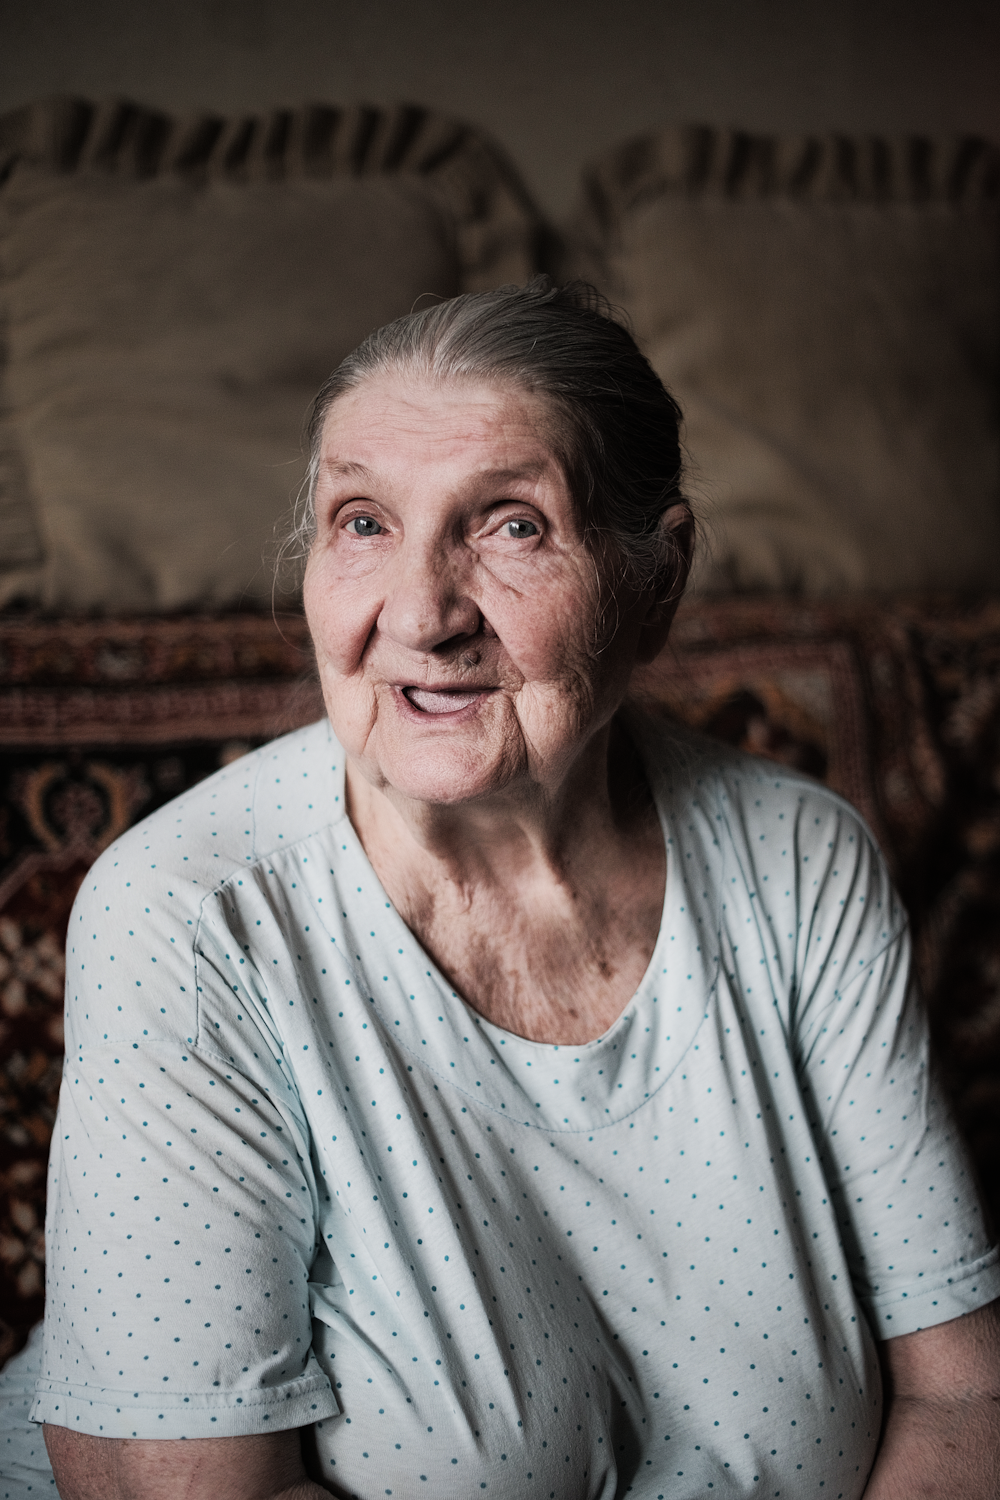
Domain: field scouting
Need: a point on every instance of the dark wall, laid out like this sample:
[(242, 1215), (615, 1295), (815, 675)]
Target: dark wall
[(556, 81)]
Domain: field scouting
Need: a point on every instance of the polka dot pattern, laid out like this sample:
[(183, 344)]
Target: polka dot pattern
[(25, 1473), (296, 1180)]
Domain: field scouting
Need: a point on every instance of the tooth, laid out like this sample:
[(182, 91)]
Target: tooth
[(441, 702)]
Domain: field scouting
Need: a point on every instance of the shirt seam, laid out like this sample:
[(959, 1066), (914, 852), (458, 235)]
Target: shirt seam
[(879, 1301), (191, 1400)]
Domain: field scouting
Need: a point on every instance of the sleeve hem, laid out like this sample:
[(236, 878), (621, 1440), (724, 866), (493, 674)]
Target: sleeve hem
[(907, 1311), (103, 1412)]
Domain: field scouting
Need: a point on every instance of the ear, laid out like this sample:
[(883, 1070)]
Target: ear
[(665, 594)]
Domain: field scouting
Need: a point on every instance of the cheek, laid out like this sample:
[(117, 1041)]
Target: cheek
[(339, 644), (340, 614), (548, 629)]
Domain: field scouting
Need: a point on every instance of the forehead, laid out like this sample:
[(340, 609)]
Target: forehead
[(405, 418)]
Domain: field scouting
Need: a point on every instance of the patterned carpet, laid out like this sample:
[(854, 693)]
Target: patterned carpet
[(895, 705)]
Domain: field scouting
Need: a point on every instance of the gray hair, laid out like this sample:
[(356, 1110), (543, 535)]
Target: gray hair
[(618, 427)]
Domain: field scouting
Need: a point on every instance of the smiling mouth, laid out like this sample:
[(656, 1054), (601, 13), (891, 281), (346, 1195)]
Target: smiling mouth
[(441, 700)]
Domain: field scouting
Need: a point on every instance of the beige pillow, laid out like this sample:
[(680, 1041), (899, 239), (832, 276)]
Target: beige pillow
[(828, 317), (165, 334)]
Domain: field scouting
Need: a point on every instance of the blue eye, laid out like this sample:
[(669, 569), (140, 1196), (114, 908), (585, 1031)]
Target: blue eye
[(364, 526), (520, 530)]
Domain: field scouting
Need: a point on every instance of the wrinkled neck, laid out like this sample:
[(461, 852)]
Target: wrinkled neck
[(521, 832)]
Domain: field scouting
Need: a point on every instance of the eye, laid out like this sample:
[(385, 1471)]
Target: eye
[(363, 526), (519, 531)]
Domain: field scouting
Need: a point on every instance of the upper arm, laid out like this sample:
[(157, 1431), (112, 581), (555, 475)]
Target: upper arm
[(182, 1198), (233, 1468), (960, 1358), (182, 1192), (908, 1213)]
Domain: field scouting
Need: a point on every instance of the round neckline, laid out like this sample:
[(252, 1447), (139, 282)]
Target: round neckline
[(500, 1033), (555, 1086)]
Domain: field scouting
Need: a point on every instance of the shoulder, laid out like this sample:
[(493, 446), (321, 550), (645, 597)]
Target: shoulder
[(267, 800), (779, 838), (131, 941), (689, 767)]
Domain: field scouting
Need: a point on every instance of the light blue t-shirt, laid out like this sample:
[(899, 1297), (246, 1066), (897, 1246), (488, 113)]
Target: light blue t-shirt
[(296, 1180)]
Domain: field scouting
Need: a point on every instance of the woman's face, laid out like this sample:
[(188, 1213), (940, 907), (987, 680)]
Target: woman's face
[(454, 607)]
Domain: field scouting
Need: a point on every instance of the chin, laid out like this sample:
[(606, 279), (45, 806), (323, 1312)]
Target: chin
[(443, 776), (437, 788)]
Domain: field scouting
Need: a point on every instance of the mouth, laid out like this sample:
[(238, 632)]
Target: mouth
[(442, 700)]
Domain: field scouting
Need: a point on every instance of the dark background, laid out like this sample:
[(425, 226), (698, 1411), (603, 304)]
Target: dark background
[(554, 81)]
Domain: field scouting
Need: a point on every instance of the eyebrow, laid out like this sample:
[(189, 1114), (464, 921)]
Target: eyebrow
[(347, 470), (523, 471)]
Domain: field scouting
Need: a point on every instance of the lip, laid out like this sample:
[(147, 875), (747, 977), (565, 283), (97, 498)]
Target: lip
[(469, 697)]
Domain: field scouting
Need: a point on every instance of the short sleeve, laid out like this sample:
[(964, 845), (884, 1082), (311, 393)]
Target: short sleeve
[(182, 1203), (908, 1208)]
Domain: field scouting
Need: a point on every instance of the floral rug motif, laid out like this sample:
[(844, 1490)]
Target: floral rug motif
[(895, 704)]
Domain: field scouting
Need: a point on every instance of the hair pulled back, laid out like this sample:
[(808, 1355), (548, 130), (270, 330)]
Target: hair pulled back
[(617, 427)]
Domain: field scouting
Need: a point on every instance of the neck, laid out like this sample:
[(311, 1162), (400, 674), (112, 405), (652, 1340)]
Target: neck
[(542, 908)]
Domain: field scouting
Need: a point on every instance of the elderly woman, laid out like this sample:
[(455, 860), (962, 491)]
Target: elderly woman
[(490, 1089)]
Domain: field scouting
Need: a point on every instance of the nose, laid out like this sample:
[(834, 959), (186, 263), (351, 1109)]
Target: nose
[(429, 600)]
